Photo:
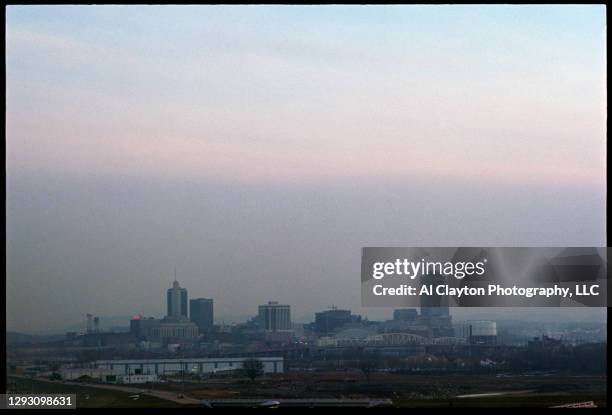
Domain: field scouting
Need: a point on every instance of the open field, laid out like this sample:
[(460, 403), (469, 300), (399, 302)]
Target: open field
[(88, 397), (397, 386), (519, 400), (406, 390)]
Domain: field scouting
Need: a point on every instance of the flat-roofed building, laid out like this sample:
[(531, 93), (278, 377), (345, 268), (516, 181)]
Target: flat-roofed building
[(331, 321), (196, 366), (275, 317), (201, 313), (167, 330)]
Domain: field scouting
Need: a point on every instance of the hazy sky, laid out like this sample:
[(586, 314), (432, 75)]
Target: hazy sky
[(257, 149)]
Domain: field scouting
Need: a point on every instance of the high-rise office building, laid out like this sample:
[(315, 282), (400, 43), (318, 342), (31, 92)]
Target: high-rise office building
[(274, 317), (330, 321), (405, 314), (435, 313), (434, 305), (177, 301), (201, 313)]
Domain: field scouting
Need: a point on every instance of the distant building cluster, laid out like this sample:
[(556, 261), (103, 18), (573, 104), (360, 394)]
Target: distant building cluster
[(189, 324), (339, 328), (176, 327), (187, 343)]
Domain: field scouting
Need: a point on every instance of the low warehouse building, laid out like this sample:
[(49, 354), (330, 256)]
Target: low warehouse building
[(196, 366)]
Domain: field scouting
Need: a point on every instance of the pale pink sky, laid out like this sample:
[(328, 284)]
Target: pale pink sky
[(217, 96)]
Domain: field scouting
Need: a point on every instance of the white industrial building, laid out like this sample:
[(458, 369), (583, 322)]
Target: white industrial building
[(104, 375), (74, 373), (135, 379), (196, 366)]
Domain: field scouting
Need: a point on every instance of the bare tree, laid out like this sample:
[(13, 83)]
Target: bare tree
[(253, 368), (367, 366)]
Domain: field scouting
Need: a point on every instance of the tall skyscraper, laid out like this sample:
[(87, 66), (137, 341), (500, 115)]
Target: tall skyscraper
[(177, 301), (274, 317), (201, 313), (435, 313), (434, 306)]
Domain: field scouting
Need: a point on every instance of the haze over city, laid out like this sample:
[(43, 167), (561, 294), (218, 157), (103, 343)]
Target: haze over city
[(257, 149)]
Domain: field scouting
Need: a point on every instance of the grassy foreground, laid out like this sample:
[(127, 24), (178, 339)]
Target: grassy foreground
[(89, 397)]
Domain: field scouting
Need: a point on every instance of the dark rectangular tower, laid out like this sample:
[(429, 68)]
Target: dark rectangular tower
[(201, 313)]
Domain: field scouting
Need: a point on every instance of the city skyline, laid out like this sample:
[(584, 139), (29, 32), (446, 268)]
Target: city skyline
[(394, 313)]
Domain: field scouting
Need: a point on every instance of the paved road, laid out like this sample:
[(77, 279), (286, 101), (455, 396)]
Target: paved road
[(305, 402)]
